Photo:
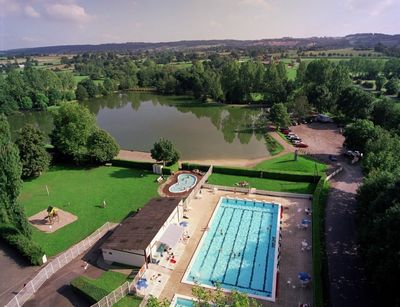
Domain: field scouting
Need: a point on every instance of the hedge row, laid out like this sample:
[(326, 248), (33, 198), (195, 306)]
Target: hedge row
[(25, 246), (133, 164), (318, 243), (294, 177), (90, 291)]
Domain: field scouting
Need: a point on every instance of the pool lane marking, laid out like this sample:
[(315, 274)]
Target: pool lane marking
[(241, 258), (255, 253), (223, 241), (269, 248), (233, 245), (212, 239)]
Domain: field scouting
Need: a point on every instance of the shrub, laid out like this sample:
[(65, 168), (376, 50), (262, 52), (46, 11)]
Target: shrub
[(90, 291), (295, 177), (318, 243), (26, 247), (133, 164)]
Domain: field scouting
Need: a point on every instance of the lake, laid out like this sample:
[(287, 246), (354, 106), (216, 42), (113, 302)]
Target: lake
[(199, 130)]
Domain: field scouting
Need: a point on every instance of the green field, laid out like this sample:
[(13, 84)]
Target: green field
[(81, 192), (286, 163), (262, 183), (129, 301)]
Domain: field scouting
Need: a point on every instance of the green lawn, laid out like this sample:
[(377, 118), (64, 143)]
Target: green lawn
[(129, 301), (286, 163), (291, 73), (96, 289), (81, 191), (262, 183)]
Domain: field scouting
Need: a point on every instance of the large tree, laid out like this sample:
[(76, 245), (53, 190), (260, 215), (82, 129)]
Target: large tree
[(165, 151), (355, 103), (11, 212), (358, 134), (279, 115), (34, 157), (73, 124), (101, 146), (392, 86)]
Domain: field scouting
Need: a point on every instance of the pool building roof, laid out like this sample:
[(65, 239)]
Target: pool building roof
[(137, 232)]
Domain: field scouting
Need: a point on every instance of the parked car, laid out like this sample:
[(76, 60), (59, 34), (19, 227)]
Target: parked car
[(301, 145), (295, 142), (349, 153), (285, 131)]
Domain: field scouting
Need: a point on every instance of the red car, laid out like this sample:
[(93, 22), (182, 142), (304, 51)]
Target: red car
[(285, 131), (301, 145)]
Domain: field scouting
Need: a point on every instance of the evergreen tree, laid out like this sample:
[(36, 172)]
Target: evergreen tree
[(11, 212)]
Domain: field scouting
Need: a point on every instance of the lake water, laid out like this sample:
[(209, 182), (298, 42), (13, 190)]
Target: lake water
[(199, 131)]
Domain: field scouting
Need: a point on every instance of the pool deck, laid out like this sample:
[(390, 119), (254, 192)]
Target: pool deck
[(293, 260)]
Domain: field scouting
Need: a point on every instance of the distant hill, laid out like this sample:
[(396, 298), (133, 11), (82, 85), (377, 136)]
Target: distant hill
[(363, 40)]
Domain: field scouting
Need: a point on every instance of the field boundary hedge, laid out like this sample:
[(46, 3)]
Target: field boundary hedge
[(318, 243), (286, 176), (133, 164)]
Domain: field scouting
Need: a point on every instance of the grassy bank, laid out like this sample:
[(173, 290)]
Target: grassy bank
[(273, 146), (81, 191), (262, 183), (287, 163)]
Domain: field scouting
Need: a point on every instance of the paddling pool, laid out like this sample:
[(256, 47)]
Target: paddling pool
[(185, 182)]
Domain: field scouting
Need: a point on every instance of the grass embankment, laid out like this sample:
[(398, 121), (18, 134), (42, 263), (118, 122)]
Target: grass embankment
[(286, 163), (129, 301), (273, 146), (318, 243), (263, 183), (81, 191), (95, 289)]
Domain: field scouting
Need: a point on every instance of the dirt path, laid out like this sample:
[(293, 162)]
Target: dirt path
[(146, 157)]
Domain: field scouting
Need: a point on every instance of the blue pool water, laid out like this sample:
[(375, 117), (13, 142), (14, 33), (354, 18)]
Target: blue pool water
[(183, 302), (239, 248), (184, 183)]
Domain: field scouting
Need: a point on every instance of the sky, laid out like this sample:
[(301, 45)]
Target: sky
[(32, 23)]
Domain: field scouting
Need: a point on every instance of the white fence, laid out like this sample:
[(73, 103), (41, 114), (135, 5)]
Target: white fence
[(53, 266), (255, 191), (198, 187), (114, 296)]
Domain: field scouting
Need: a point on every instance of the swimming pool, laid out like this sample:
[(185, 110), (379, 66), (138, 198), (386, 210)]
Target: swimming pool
[(240, 249), (184, 183)]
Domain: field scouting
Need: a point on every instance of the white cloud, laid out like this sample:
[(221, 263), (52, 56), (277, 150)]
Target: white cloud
[(31, 12), (68, 12), (8, 7), (371, 7), (256, 3)]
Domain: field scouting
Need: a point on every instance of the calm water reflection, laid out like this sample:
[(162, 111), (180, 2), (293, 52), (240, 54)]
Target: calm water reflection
[(200, 131)]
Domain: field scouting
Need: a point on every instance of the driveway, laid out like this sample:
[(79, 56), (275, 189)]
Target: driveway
[(15, 272), (346, 277)]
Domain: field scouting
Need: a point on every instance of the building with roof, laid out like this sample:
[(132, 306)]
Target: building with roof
[(156, 225)]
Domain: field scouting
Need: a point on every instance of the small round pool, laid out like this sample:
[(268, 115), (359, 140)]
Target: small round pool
[(185, 182)]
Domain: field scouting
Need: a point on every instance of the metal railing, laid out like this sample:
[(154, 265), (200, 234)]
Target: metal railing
[(56, 264)]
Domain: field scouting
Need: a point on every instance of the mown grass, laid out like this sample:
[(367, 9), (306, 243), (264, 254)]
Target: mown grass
[(286, 163), (81, 191), (273, 146), (263, 183), (129, 301)]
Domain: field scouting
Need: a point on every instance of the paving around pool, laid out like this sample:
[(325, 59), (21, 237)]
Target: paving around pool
[(234, 241)]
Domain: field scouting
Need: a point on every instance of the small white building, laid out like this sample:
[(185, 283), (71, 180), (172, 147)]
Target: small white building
[(139, 236)]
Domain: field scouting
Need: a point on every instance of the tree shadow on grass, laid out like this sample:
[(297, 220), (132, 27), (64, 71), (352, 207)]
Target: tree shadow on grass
[(129, 173)]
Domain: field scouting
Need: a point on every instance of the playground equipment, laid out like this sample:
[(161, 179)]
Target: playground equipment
[(52, 215)]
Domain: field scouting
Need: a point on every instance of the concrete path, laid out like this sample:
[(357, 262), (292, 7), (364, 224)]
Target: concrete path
[(347, 282)]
